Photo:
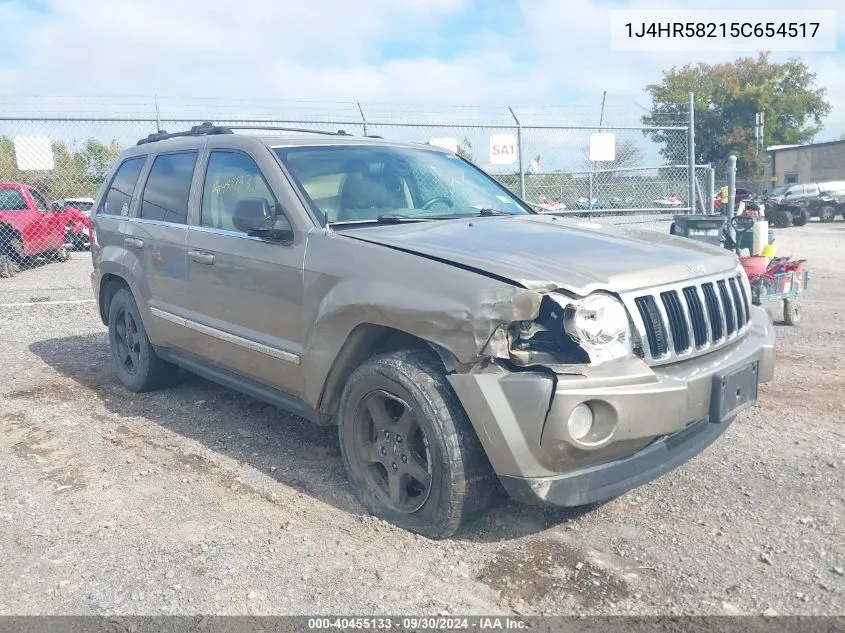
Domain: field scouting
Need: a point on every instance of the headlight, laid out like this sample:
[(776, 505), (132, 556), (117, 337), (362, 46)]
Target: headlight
[(599, 324)]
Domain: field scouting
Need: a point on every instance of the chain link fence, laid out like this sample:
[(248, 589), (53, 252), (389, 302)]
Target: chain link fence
[(52, 168)]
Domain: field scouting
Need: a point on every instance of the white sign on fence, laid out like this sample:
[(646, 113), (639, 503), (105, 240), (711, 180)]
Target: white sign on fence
[(34, 153), (503, 149), (446, 143), (602, 147)]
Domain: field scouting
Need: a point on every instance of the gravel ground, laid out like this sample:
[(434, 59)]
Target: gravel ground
[(198, 500)]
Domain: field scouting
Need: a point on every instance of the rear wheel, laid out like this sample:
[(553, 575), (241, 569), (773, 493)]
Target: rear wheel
[(791, 312), (138, 366), (781, 219), (60, 254), (827, 213), (409, 450)]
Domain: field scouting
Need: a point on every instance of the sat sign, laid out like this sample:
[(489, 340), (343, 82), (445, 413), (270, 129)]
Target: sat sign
[(503, 150)]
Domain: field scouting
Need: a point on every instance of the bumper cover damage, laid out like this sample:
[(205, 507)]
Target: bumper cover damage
[(649, 419)]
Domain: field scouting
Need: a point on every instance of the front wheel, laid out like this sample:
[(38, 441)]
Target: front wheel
[(8, 267), (409, 449), (801, 219)]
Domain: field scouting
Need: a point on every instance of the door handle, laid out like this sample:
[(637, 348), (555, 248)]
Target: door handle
[(133, 242), (201, 258)]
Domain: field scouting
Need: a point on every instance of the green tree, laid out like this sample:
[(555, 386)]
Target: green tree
[(727, 98), (96, 157), (75, 174)]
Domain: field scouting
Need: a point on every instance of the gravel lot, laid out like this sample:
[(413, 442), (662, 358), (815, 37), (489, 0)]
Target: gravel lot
[(199, 500)]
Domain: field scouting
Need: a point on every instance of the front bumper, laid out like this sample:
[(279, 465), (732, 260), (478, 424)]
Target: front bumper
[(653, 419)]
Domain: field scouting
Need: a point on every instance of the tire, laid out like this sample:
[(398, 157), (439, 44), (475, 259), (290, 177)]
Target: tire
[(801, 219), (452, 480), (138, 366), (8, 267), (781, 219), (791, 312), (11, 258), (827, 213), (60, 254)]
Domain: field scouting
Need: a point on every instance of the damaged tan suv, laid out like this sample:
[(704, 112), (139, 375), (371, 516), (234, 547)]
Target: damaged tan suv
[(461, 342)]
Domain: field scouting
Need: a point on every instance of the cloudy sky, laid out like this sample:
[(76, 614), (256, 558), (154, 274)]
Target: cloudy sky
[(399, 58)]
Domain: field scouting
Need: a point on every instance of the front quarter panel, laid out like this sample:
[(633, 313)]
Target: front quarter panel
[(350, 282)]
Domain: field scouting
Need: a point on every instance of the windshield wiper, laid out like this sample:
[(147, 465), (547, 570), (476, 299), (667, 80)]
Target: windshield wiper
[(394, 218), (479, 213), (387, 218), (486, 212)]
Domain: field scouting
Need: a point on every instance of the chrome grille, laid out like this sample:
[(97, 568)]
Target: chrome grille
[(688, 319)]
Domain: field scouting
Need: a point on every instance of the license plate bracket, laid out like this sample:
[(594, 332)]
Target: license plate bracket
[(734, 391)]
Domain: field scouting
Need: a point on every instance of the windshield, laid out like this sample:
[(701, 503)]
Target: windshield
[(778, 191), (360, 183), (12, 200)]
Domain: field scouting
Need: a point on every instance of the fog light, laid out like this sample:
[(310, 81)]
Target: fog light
[(580, 422)]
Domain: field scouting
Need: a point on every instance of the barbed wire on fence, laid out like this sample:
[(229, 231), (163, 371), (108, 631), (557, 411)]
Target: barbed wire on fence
[(70, 157)]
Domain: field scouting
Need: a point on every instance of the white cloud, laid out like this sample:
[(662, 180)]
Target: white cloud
[(249, 51)]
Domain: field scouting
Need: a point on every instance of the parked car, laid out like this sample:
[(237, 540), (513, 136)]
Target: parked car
[(77, 212), (795, 204), (28, 228), (458, 339), (830, 201), (740, 196)]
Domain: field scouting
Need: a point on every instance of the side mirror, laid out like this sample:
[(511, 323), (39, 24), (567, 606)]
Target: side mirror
[(254, 216)]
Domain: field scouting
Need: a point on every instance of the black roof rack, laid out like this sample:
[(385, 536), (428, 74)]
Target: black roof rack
[(208, 128), (289, 129), (204, 129)]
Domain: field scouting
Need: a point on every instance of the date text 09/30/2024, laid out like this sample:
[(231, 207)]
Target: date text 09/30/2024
[(423, 623)]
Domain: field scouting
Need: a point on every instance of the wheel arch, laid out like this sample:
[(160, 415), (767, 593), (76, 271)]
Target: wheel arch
[(110, 284), (365, 341)]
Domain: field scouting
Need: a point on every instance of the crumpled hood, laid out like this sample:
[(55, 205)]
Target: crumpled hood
[(545, 253)]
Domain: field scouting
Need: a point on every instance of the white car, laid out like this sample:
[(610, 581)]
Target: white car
[(86, 205), (78, 237)]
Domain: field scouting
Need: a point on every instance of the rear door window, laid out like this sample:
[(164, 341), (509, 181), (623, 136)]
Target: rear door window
[(119, 195), (165, 196)]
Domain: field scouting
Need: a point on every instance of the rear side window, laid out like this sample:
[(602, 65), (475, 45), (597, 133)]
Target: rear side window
[(12, 200), (165, 196), (120, 192)]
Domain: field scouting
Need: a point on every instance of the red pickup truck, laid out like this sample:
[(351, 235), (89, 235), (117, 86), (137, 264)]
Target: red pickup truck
[(28, 228)]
